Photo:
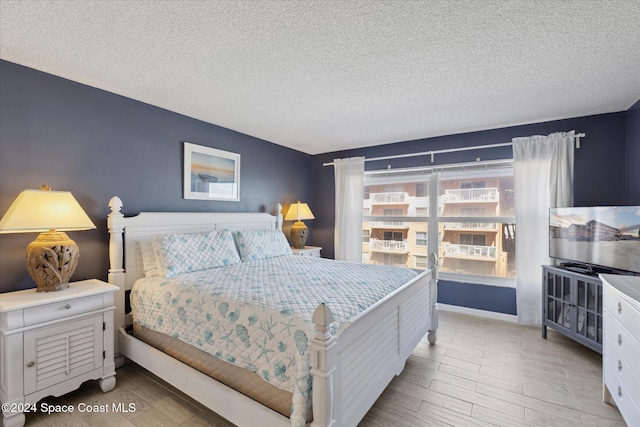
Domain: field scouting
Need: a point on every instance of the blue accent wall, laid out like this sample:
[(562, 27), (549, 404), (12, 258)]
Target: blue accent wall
[(97, 145), (600, 179), (633, 155), (480, 297)]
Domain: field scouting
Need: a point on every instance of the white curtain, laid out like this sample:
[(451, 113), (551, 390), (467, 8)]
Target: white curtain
[(349, 177), (543, 169)]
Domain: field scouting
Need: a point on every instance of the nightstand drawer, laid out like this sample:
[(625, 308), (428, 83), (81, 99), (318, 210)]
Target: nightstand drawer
[(314, 254), (308, 251), (62, 309)]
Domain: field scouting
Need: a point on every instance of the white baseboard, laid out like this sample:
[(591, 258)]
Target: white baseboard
[(480, 313)]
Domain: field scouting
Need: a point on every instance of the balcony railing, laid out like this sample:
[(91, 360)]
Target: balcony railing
[(471, 251), (389, 224), (389, 198), (488, 226), (472, 195), (388, 245)]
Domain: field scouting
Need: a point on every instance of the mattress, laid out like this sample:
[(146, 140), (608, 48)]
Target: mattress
[(248, 383), (257, 314)]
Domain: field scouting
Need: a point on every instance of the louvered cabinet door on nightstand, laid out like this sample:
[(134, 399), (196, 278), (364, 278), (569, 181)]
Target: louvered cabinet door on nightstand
[(52, 342)]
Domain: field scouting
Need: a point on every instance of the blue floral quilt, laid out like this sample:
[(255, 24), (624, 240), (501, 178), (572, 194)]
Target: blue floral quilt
[(257, 314)]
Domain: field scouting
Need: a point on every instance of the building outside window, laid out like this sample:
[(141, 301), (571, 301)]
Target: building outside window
[(474, 208)]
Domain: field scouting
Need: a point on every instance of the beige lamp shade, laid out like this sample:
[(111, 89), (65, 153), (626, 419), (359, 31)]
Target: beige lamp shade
[(299, 232), (53, 256), (35, 211), (299, 212)]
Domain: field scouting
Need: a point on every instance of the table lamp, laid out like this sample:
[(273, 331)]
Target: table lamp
[(299, 231), (53, 256)]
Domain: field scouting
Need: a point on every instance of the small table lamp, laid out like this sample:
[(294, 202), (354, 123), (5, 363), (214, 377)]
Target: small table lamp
[(299, 231), (52, 257)]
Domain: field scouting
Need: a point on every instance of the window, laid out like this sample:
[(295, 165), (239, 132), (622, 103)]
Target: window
[(393, 235), (421, 262), (422, 211), (365, 236), (465, 211), (473, 239), (393, 259), (477, 222), (473, 184), (392, 212), (421, 238), (470, 208)]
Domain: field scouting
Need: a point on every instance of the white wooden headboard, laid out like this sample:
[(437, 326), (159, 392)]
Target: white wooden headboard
[(125, 258)]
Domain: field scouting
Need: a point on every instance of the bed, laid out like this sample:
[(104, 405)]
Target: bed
[(351, 356)]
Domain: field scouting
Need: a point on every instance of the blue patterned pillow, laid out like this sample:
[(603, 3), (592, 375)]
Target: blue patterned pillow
[(183, 253), (261, 244)]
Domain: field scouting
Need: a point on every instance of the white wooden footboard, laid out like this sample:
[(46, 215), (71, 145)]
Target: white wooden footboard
[(350, 371)]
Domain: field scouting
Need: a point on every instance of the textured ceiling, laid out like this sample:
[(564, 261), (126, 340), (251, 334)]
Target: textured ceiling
[(320, 76)]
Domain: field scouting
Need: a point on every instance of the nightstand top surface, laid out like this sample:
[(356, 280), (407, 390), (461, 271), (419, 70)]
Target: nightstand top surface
[(18, 300)]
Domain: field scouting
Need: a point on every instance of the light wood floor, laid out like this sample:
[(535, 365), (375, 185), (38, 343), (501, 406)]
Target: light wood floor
[(480, 373)]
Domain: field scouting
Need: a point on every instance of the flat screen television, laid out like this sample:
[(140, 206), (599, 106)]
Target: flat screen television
[(596, 239)]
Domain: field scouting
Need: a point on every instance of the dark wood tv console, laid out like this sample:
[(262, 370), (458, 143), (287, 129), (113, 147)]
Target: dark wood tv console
[(572, 305)]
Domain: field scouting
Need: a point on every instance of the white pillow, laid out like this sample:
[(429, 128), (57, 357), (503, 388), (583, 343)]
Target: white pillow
[(260, 244), (183, 253), (148, 259)]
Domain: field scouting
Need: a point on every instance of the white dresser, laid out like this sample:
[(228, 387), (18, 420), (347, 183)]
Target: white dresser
[(51, 342), (621, 347)]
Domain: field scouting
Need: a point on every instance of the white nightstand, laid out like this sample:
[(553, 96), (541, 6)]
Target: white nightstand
[(312, 251), (52, 342)]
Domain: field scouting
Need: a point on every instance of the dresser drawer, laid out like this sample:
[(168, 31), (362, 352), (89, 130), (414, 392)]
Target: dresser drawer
[(621, 309), (618, 342), (621, 395), (62, 309), (620, 367)]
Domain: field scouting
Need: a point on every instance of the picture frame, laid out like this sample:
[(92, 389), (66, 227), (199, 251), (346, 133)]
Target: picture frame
[(211, 174)]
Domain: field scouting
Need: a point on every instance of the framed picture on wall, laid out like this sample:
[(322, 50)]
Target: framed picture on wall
[(211, 174)]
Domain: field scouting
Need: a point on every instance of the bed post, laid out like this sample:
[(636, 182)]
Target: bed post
[(279, 216), (322, 360), (432, 336), (115, 225)]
